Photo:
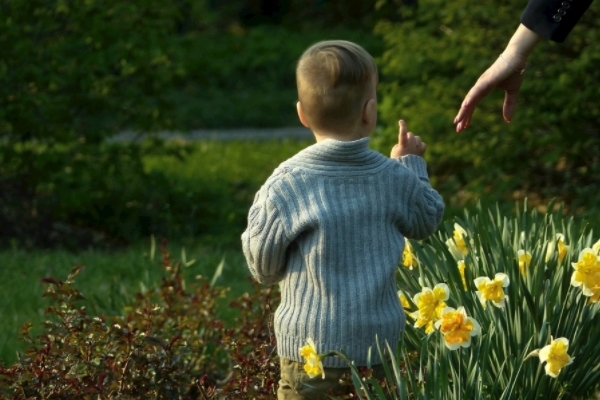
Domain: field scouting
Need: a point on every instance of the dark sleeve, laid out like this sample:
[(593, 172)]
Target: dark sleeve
[(553, 19)]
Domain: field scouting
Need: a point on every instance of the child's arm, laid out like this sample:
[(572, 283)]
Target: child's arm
[(265, 241), (422, 207)]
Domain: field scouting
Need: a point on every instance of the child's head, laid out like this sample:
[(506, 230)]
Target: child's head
[(336, 79)]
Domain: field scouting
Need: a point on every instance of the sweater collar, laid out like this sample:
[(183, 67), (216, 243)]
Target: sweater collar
[(338, 156)]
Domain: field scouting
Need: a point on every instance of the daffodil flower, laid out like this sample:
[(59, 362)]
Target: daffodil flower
[(430, 304), (524, 258), (403, 300), (555, 356), (457, 245), (596, 247), (587, 272), (457, 327), (461, 270), (313, 365), (408, 256), (559, 244), (594, 297), (492, 290)]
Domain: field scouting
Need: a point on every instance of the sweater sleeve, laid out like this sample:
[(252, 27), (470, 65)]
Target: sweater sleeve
[(265, 240), (553, 19), (422, 206)]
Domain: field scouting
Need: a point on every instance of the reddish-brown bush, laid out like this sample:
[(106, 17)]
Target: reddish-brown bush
[(169, 344)]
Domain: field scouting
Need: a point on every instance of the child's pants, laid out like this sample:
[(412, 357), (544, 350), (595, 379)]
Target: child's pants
[(295, 384)]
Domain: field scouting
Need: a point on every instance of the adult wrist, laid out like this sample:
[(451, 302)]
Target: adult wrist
[(521, 45), (514, 63)]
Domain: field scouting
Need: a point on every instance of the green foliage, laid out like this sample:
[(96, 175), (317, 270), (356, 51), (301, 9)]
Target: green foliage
[(72, 74), (80, 70), (169, 344), (437, 52), (245, 77)]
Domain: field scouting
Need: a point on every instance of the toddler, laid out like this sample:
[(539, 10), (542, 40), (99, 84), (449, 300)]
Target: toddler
[(329, 225)]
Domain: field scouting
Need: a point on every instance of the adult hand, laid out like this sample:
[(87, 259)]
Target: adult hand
[(505, 73), (501, 75)]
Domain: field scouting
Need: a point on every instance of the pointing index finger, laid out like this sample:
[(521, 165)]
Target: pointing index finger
[(403, 134)]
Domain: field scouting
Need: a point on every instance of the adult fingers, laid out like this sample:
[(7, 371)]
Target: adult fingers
[(510, 103), (511, 92), (484, 86), (467, 108)]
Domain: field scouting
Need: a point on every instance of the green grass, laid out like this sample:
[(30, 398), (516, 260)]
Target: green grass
[(226, 162)]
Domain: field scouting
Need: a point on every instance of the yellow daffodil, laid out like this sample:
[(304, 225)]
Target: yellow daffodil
[(524, 258), (403, 300), (461, 269), (555, 356), (492, 290), (562, 250), (457, 245), (587, 273), (430, 304), (594, 297), (559, 245), (596, 247), (408, 257), (457, 327), (313, 365)]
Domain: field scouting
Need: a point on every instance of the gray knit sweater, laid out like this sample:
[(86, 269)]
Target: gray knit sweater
[(329, 226)]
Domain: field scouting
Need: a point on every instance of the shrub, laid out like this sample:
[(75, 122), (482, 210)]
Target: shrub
[(73, 74), (169, 344)]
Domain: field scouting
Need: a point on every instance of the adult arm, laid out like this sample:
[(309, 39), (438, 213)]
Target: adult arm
[(506, 73), (550, 19)]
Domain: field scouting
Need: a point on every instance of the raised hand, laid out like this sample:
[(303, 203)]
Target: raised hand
[(408, 143)]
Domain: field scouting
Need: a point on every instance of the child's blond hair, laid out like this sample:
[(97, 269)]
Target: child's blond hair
[(334, 78)]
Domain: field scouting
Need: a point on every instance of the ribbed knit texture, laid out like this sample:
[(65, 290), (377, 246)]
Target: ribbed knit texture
[(329, 226)]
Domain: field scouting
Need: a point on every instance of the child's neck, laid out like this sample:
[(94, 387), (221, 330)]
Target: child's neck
[(343, 137)]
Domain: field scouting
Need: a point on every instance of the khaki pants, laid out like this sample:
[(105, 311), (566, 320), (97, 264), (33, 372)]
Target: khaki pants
[(295, 384)]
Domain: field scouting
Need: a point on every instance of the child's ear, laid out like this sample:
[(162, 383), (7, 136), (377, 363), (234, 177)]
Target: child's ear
[(301, 115), (369, 114)]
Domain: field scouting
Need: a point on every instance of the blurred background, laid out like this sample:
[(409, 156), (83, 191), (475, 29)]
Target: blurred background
[(75, 73)]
